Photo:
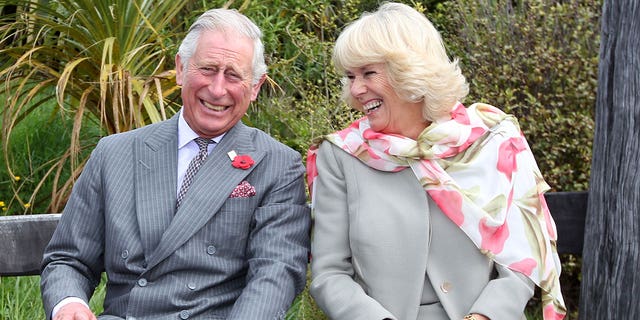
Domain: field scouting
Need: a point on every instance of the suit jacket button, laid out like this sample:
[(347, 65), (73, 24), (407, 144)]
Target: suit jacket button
[(142, 282), (211, 250), (446, 287), (124, 254), (191, 286), (184, 314)]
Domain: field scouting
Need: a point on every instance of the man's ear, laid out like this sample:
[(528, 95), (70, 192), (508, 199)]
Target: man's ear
[(255, 89), (179, 69)]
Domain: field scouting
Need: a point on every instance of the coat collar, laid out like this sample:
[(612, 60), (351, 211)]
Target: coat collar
[(155, 181), (211, 187)]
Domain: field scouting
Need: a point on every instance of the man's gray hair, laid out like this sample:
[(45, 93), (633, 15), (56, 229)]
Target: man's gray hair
[(230, 20)]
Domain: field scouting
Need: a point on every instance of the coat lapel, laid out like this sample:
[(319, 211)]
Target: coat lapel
[(156, 165), (211, 187)]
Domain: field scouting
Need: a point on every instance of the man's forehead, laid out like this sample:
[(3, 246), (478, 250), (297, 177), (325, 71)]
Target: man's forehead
[(223, 49)]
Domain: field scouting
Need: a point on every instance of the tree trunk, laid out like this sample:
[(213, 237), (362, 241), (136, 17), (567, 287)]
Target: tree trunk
[(611, 262)]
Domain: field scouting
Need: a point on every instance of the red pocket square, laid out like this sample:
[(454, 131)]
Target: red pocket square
[(243, 190)]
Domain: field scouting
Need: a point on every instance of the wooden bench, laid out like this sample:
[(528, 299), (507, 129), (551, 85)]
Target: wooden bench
[(22, 242), (23, 238), (569, 210)]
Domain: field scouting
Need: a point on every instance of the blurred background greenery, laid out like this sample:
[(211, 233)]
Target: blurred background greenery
[(72, 71)]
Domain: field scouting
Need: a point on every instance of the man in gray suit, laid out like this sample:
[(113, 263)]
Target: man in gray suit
[(234, 245)]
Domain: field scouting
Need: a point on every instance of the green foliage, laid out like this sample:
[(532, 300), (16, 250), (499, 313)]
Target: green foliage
[(20, 298), (302, 100), (304, 308), (105, 63), (73, 71), (537, 59), (42, 136)]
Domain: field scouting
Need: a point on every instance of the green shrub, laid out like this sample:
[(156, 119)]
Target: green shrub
[(104, 63), (43, 135), (302, 100), (537, 59)]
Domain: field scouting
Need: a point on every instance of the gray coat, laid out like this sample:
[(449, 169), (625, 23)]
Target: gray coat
[(378, 234), (215, 258)]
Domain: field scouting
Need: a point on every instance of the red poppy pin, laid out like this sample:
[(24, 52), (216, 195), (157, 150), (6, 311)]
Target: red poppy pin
[(242, 161)]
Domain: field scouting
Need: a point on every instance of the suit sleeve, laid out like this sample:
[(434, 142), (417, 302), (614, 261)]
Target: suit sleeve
[(73, 260), (506, 296), (278, 247), (333, 286)]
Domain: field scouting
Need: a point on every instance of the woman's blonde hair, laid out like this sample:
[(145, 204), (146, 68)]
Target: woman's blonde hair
[(413, 52)]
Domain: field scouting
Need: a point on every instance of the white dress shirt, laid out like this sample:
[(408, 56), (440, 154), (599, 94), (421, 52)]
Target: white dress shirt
[(187, 148)]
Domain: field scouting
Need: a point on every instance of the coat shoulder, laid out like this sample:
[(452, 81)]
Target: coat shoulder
[(263, 140)]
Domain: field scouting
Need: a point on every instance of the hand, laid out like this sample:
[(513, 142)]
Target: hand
[(477, 316), (74, 311)]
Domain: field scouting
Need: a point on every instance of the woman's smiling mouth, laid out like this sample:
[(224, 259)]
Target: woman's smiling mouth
[(371, 106)]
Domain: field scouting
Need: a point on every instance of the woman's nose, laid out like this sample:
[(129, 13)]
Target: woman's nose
[(357, 87)]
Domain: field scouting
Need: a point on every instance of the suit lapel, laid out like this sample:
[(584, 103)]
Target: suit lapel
[(211, 187), (156, 165)]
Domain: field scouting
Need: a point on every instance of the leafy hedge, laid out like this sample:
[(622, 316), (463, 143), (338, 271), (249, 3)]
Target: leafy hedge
[(537, 59)]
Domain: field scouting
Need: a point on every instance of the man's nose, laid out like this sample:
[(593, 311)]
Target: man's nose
[(218, 84)]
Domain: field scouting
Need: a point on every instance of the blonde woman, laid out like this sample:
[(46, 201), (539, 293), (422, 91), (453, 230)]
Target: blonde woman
[(424, 208)]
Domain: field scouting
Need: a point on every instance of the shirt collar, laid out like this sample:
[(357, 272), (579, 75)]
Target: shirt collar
[(186, 134)]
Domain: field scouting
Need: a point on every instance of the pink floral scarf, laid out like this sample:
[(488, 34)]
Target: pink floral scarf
[(478, 168)]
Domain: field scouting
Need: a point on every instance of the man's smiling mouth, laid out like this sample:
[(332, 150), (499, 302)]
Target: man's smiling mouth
[(214, 107)]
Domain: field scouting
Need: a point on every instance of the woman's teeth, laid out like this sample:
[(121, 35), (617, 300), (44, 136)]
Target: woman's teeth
[(372, 106)]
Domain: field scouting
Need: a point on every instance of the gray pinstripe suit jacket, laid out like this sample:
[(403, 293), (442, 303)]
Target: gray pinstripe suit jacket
[(215, 258)]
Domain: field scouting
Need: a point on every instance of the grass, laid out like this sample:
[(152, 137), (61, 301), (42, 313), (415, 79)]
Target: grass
[(38, 139), (42, 137), (20, 298)]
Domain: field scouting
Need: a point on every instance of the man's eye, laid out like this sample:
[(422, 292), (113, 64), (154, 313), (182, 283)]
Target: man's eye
[(207, 70), (234, 76), (350, 77), (369, 73)]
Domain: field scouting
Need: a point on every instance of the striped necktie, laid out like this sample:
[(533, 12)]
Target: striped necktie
[(194, 165)]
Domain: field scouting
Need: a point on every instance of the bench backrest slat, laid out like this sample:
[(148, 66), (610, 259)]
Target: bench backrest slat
[(22, 242), (23, 238), (569, 211)]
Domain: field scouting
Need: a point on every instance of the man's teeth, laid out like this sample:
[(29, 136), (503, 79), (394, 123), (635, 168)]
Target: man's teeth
[(214, 107)]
